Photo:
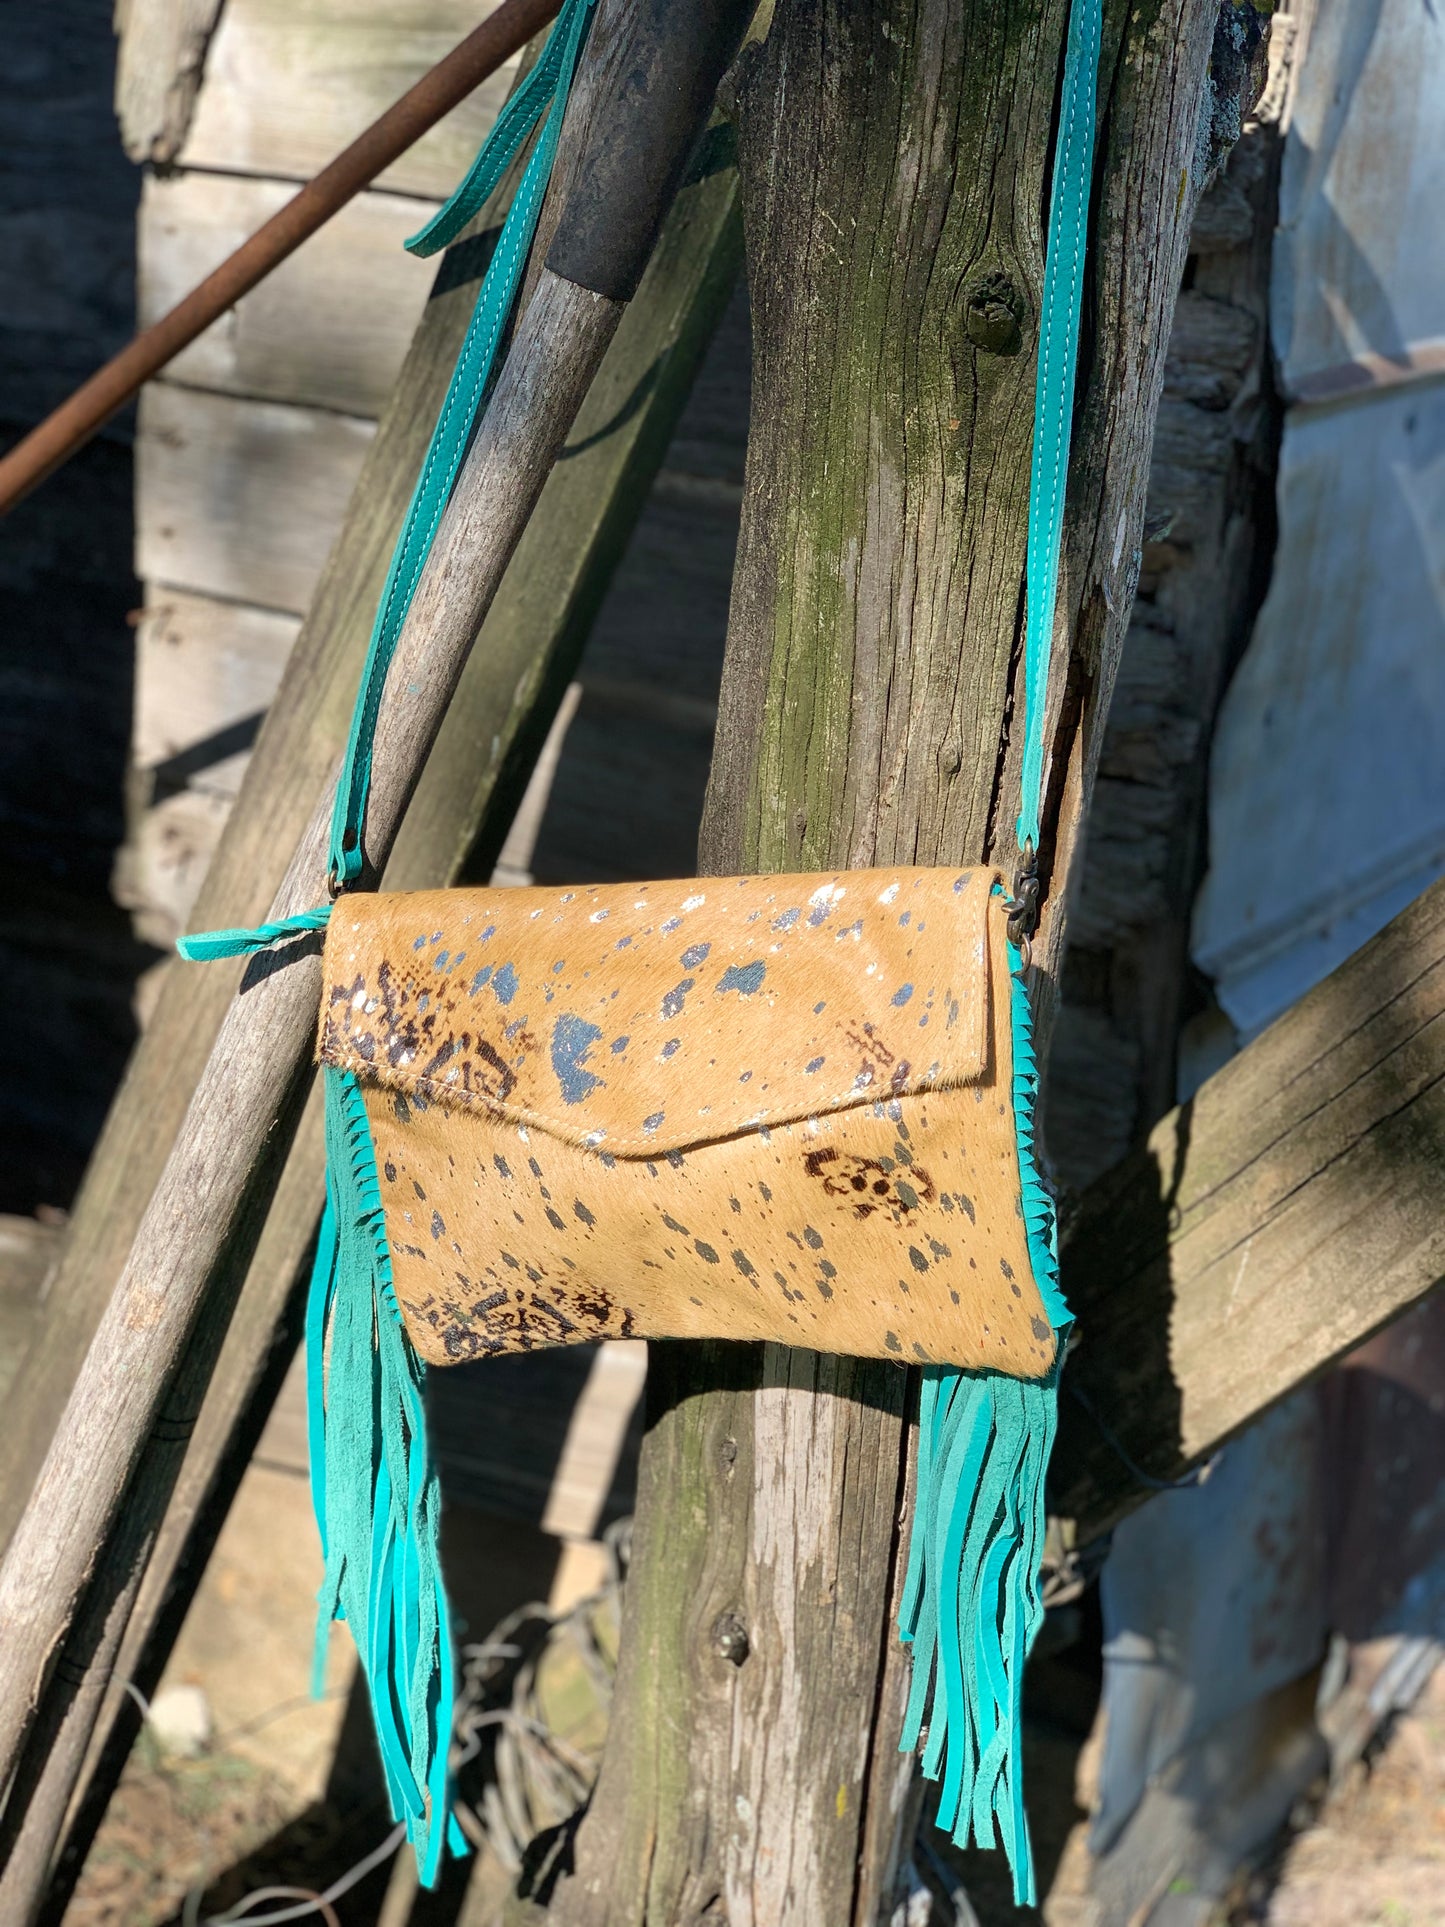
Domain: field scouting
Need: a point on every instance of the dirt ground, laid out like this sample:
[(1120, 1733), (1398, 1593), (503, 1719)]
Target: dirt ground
[(1374, 1856), (179, 1824), (260, 1805), (286, 1790)]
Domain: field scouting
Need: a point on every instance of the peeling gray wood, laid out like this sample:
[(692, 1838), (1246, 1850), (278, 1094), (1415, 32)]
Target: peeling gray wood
[(328, 329), (290, 82), (159, 68), (1265, 1229)]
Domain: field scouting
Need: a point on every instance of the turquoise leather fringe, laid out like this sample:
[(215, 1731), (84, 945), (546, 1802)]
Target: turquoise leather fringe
[(971, 1602), (375, 1490), (378, 1505)]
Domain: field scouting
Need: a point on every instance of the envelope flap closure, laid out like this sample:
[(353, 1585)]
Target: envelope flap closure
[(640, 1018)]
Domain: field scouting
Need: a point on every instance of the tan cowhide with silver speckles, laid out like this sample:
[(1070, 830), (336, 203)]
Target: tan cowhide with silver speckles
[(742, 1107)]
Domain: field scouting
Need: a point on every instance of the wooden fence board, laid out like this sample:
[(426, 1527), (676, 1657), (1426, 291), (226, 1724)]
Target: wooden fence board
[(159, 64), (328, 328), (1266, 1228), (290, 82), (202, 667), (241, 499), (206, 672)]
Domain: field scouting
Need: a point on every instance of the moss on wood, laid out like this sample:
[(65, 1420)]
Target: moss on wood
[(894, 161)]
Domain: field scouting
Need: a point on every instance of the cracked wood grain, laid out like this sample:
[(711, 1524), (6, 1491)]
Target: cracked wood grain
[(893, 159), (241, 1119), (1265, 1229), (527, 650)]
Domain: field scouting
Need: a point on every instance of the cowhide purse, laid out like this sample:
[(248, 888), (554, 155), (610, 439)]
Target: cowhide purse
[(745, 1107), (787, 1108)]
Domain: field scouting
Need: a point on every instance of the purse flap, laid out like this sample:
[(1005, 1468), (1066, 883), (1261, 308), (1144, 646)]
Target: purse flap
[(643, 1018)]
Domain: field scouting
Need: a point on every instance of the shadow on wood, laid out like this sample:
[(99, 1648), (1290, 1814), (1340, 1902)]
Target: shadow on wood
[(1265, 1229)]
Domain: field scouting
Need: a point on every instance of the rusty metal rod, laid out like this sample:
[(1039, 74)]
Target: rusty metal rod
[(56, 439)]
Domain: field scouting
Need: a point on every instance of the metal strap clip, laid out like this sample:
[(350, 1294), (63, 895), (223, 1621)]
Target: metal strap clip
[(1023, 905)]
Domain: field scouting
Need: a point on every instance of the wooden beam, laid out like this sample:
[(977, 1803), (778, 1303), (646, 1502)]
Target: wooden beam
[(288, 85), (1266, 1228), (892, 203), (526, 653), (528, 650), (159, 64), (328, 328), (241, 498)]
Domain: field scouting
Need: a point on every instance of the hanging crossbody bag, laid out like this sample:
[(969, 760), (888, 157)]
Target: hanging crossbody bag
[(790, 1108)]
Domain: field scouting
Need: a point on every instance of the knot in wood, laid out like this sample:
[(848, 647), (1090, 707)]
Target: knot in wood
[(730, 1637), (994, 313)]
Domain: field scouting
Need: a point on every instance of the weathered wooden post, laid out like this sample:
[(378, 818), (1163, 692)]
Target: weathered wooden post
[(893, 157), (204, 1209)]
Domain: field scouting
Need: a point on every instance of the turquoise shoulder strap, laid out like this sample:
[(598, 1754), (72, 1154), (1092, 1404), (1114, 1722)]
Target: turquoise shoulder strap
[(1054, 389), (545, 90), (971, 1603)]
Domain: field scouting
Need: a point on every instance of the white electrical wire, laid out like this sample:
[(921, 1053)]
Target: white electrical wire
[(237, 1916)]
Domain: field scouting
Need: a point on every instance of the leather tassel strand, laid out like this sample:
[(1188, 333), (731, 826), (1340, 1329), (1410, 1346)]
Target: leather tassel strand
[(378, 1503), (971, 1604)]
